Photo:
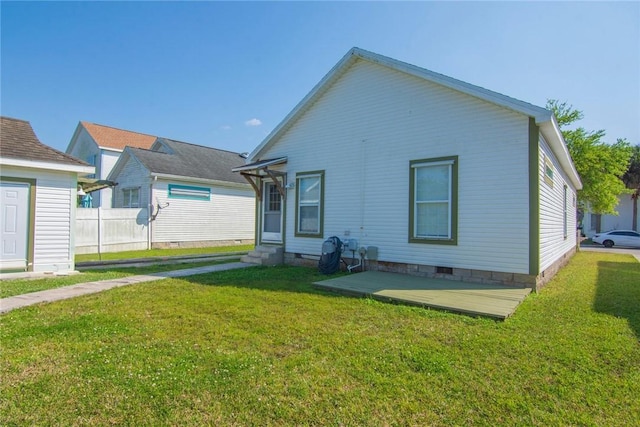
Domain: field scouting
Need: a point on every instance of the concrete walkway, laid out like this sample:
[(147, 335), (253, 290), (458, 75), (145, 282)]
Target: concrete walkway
[(18, 301)]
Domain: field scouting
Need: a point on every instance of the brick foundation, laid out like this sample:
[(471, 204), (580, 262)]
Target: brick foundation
[(458, 274), (544, 277)]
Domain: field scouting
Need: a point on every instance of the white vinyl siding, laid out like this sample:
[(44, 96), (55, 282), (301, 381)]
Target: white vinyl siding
[(364, 131), (229, 214), (132, 176), (55, 208), (564, 212), (86, 148), (557, 224)]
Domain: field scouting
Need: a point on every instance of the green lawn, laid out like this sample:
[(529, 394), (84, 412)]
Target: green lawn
[(159, 253), (261, 347), (13, 287)]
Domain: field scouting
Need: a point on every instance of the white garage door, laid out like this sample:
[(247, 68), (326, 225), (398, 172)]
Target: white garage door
[(14, 201)]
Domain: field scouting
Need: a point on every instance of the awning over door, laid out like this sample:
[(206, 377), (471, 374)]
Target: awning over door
[(253, 172)]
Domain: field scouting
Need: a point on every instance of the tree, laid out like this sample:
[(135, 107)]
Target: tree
[(632, 180), (601, 166)]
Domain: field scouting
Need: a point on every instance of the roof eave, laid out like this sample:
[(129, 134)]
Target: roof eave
[(318, 89), (199, 180), (36, 164), (552, 134), (540, 114), (260, 164)]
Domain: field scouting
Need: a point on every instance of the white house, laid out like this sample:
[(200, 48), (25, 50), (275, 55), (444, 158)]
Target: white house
[(593, 223), (101, 146), (430, 175), (192, 195), (38, 187)]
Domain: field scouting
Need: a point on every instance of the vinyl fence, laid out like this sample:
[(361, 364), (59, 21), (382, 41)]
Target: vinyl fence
[(111, 230)]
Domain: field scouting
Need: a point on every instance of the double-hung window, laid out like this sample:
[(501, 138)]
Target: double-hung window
[(434, 201), (309, 201), (131, 197)]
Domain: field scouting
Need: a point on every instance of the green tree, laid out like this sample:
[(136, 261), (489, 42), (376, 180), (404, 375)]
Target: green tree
[(632, 180), (601, 166)]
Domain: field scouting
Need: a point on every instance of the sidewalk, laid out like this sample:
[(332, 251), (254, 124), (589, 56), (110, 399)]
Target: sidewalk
[(18, 301)]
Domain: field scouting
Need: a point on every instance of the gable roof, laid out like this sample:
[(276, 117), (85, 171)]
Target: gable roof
[(117, 139), (181, 159), (19, 146), (543, 117)]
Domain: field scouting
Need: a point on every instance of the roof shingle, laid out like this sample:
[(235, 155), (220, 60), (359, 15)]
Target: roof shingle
[(117, 139), (190, 160), (19, 141)]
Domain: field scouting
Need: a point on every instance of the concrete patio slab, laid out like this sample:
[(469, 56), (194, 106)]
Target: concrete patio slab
[(476, 299)]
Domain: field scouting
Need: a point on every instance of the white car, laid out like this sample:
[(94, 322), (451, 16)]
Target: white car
[(618, 238)]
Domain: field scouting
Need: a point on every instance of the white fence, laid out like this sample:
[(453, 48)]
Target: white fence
[(111, 230)]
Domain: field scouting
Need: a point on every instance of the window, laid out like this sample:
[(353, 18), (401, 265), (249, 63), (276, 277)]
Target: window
[(131, 197), (309, 198), (433, 211), (548, 171), (625, 233), (189, 192), (274, 199)]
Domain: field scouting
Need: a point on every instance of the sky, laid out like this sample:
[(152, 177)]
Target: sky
[(225, 74)]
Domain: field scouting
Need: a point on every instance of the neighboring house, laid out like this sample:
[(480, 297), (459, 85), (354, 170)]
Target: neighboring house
[(193, 197), (593, 223), (101, 147), (431, 175), (38, 187)]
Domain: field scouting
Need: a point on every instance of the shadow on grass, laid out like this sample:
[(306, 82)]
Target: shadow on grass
[(280, 278), (618, 291)]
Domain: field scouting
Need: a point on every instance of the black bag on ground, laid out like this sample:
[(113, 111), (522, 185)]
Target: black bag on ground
[(330, 259)]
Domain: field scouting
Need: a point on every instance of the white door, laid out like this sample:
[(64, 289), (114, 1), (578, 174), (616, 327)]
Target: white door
[(271, 213), (14, 202)]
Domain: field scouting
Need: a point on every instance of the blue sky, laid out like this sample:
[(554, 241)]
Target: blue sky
[(224, 74)]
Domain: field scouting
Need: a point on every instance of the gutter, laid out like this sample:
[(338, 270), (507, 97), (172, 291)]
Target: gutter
[(198, 180)]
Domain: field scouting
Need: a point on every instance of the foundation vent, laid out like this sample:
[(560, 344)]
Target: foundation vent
[(444, 270)]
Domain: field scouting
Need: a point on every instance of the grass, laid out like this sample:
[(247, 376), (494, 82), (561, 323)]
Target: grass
[(154, 253), (261, 346), (13, 287)]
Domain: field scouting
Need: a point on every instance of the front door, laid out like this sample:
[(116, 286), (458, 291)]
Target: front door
[(271, 214), (14, 199)]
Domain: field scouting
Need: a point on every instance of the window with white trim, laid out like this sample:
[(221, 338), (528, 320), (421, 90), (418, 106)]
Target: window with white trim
[(309, 196), (131, 197), (433, 210)]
